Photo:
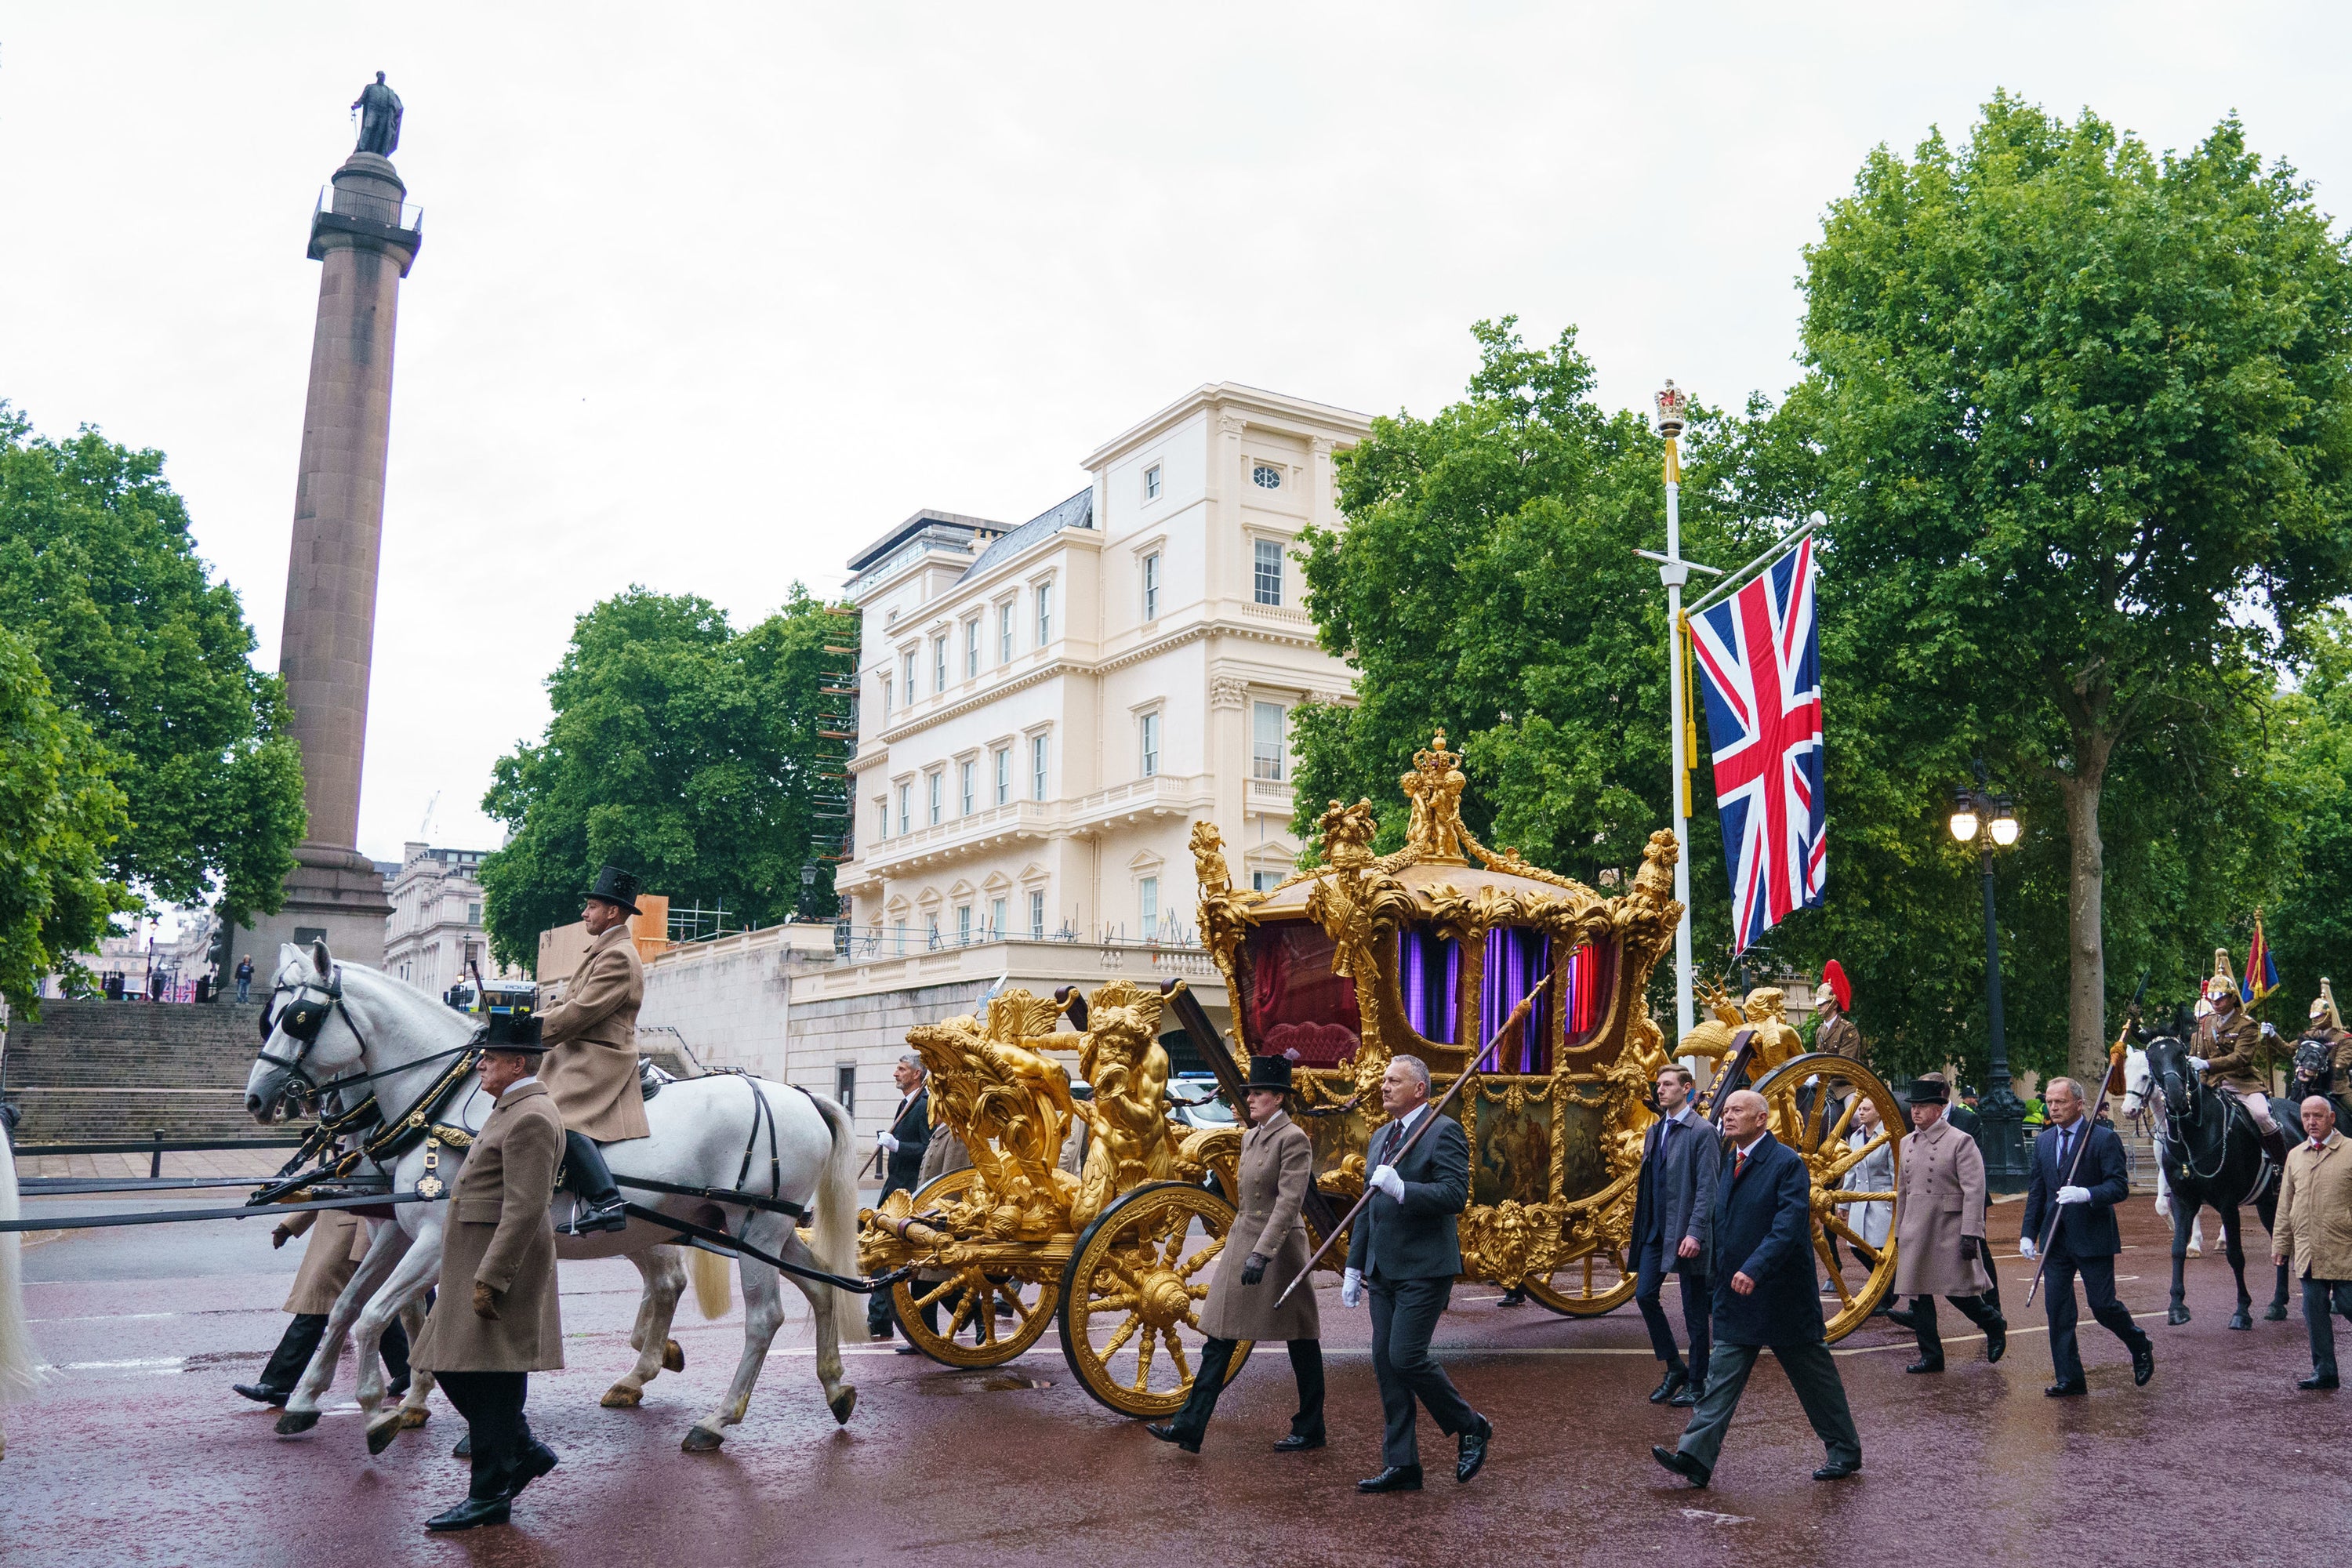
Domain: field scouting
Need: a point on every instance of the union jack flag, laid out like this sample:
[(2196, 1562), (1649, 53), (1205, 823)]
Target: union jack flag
[(1760, 669)]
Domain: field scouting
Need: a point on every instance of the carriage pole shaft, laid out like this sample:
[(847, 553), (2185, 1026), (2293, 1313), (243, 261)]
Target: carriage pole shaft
[(1515, 1022)]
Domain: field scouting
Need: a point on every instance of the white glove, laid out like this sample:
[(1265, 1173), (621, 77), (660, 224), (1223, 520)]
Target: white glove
[(1388, 1182), (2025, 1247), (2199, 1063), (1351, 1287), (2073, 1194), (887, 1141)]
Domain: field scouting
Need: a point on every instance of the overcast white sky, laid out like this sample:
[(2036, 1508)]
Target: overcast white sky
[(711, 295)]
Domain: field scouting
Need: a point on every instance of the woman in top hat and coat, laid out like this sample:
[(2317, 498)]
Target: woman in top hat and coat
[(1263, 1252), (591, 1063)]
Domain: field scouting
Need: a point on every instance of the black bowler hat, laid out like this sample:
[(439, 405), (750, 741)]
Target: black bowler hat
[(1930, 1090), (1269, 1072), (615, 886)]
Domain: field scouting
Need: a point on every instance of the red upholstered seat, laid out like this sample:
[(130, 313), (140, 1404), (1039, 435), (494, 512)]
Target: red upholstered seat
[(1312, 1045)]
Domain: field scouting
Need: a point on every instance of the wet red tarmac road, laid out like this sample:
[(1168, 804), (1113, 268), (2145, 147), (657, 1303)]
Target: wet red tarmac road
[(138, 1452)]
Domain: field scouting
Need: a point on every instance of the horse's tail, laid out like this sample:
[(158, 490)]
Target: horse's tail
[(20, 1367), (712, 1276), (834, 1238)]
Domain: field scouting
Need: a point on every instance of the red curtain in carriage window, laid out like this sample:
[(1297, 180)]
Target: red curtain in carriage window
[(1299, 1008)]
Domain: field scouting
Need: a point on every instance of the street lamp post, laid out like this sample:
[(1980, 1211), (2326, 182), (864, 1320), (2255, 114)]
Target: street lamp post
[(1673, 405), (808, 890), (1989, 820)]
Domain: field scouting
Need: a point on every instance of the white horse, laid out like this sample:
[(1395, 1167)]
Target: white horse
[(728, 1131), (2136, 1102), (20, 1363)]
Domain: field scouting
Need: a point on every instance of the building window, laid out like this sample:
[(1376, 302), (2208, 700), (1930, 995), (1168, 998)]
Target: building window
[(907, 673), (1267, 758), (1265, 881), (1003, 775), (1037, 915), (886, 696), (906, 808), (969, 769), (1036, 767), (845, 1087), (898, 934), (1045, 614), (1152, 482), (1269, 572), (882, 828), (1151, 588), (963, 925), (1150, 745), (1148, 895), (931, 932), (474, 914), (939, 645), (932, 782), (1266, 477), (972, 649), (996, 917)]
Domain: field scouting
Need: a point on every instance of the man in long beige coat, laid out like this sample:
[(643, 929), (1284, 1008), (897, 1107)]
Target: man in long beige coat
[(2314, 1227), (497, 1318), (592, 1065), (1263, 1252), (338, 1241), (1939, 1228)]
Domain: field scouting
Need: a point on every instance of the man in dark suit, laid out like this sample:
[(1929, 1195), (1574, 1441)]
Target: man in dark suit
[(1407, 1249), (1762, 1265), (902, 1144), (2079, 1199), (1674, 1210)]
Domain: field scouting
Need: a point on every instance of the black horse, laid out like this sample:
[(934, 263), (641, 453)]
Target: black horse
[(2313, 1072), (2212, 1156)]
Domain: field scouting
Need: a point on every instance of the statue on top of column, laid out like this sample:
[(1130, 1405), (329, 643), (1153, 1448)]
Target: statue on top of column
[(379, 111)]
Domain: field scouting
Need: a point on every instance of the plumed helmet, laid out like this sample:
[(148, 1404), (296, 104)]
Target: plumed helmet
[(2223, 982), (1833, 976), (2322, 1006)]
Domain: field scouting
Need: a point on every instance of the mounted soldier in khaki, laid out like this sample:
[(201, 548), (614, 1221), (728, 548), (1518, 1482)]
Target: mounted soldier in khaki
[(592, 1062)]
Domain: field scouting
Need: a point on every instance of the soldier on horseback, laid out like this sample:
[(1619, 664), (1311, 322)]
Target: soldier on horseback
[(592, 1065), (2228, 1050), (2323, 1056)]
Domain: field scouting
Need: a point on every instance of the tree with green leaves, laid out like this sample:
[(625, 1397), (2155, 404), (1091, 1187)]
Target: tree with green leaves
[(2310, 925), (98, 573), (60, 815), (2081, 416), (680, 749)]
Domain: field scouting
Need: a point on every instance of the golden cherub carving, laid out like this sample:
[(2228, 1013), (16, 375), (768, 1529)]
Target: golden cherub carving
[(1123, 1061)]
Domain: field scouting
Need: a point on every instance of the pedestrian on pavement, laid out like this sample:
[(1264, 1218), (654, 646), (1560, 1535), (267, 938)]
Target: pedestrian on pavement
[(338, 1241), (2079, 1203), (1939, 1245), (903, 1144), (498, 1320), (1674, 1206), (1764, 1299), (1407, 1249), (1263, 1252), (244, 980), (944, 1154), (2315, 1229)]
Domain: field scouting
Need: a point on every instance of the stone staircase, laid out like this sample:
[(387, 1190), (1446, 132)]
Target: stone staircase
[(100, 1072)]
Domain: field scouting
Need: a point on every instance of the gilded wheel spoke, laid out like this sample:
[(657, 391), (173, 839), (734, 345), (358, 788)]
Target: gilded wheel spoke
[(1837, 1278), (1862, 1250), (1813, 1117), (1852, 1157), (1124, 1301), (1143, 1359), (1176, 1357), (1125, 1332), (934, 1295), (1841, 1197), (1845, 1120), (1193, 1264)]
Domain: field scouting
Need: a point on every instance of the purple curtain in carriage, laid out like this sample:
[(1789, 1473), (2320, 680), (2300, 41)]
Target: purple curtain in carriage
[(1515, 959), (1428, 974)]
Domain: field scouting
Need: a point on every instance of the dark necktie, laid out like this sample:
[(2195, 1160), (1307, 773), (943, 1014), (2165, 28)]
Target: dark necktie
[(2066, 1143), (1739, 1165)]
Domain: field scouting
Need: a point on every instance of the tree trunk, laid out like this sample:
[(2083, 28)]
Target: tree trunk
[(2086, 987)]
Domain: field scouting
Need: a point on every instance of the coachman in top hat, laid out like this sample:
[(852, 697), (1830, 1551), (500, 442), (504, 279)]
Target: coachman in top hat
[(591, 1063)]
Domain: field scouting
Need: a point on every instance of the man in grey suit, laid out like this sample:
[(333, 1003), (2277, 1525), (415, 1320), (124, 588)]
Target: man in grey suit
[(1673, 1205), (1407, 1248)]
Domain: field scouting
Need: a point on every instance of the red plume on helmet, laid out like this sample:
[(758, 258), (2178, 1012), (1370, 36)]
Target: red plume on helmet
[(1833, 976)]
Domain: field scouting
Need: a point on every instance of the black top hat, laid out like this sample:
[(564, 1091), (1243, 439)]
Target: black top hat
[(1930, 1090), (615, 886), (1269, 1072)]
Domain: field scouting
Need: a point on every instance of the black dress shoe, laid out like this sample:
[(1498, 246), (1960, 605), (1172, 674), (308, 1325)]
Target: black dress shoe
[(1836, 1471), (1689, 1395), (1901, 1318), (2143, 1363), (1676, 1377), (907, 1349), (535, 1461), (471, 1514), (1299, 1442), (1474, 1449), (1516, 1295), (2065, 1391), (1682, 1464), (262, 1394), (1395, 1478), (1926, 1363), (1167, 1433), (1996, 1342), (2317, 1380)]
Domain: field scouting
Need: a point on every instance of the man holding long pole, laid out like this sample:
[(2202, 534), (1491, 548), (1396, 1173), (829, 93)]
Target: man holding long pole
[(2078, 1179)]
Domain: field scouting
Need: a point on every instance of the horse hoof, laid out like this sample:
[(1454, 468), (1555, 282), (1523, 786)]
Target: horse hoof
[(2176, 1316), (2239, 1320), (381, 1433), (673, 1356), (2277, 1313), (621, 1396), (701, 1439), (294, 1423), (841, 1404), (412, 1419)]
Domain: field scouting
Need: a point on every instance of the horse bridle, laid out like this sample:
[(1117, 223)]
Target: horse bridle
[(2189, 1113), (306, 1015)]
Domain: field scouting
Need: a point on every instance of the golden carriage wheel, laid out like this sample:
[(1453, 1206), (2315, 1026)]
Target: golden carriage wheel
[(1818, 1131), (1600, 1282), (1130, 1309), (972, 1331)]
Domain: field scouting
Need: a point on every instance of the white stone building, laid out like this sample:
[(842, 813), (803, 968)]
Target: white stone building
[(435, 934)]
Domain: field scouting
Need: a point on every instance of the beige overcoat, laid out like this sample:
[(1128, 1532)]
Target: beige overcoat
[(1940, 1199), (593, 1070), (1277, 1166), (2314, 1211), (338, 1240), (499, 1232)]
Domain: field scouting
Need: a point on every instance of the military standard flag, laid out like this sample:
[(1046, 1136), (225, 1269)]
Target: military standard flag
[(1760, 666), (2261, 970)]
